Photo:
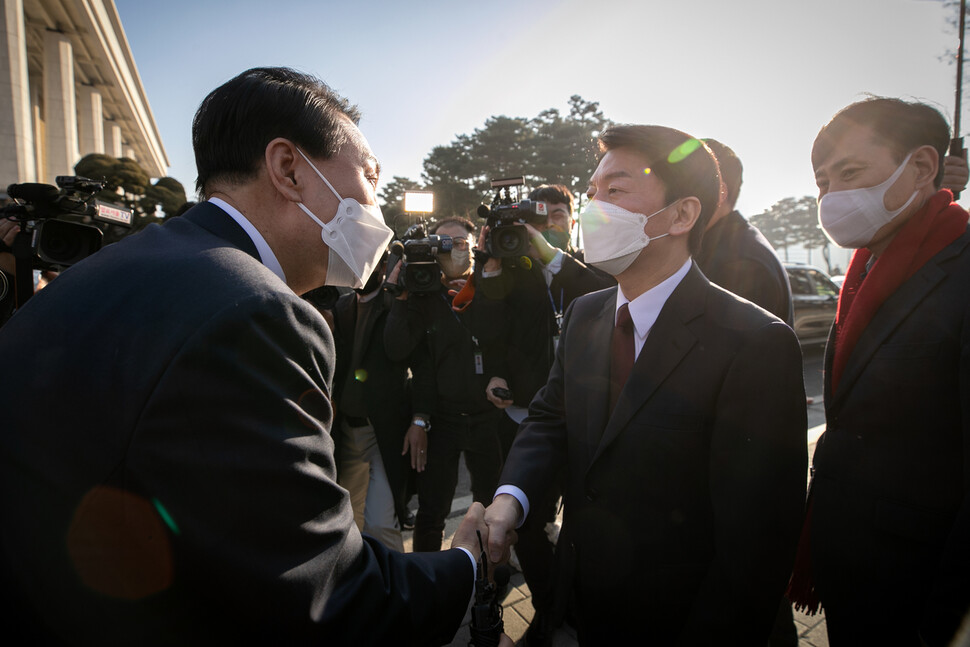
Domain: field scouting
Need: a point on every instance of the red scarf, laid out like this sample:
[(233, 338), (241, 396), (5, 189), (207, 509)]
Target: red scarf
[(940, 222)]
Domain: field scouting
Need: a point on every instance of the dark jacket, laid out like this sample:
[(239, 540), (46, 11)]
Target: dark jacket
[(444, 347), (736, 256), (528, 312), (166, 462), (891, 493), (683, 506), (385, 387)]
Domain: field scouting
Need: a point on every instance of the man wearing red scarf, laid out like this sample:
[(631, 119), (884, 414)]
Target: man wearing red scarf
[(886, 545)]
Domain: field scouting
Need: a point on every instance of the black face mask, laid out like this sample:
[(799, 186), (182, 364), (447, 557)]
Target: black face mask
[(374, 281)]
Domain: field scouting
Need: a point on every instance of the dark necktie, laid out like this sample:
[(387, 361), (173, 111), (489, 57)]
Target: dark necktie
[(622, 353)]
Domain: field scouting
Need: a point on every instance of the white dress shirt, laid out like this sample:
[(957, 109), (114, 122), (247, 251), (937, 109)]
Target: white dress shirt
[(266, 255)]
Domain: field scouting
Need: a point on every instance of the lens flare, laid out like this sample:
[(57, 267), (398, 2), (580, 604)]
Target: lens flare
[(360, 375), (166, 517), (646, 171), (681, 152)]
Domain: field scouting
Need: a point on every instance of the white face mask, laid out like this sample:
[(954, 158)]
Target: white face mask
[(613, 237), (356, 236), (852, 217), (455, 263)]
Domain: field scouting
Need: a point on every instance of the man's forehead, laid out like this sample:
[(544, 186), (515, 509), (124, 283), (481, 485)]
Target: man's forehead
[(358, 147), (854, 142), (623, 162)]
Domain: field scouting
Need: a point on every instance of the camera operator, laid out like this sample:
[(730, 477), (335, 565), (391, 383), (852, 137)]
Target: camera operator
[(534, 292), (450, 348), (373, 399)]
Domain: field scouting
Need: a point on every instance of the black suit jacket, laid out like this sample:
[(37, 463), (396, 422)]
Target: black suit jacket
[(386, 390), (167, 471), (891, 511), (736, 256), (683, 507), (520, 301)]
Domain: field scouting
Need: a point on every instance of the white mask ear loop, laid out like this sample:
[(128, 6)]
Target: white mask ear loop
[(317, 171)]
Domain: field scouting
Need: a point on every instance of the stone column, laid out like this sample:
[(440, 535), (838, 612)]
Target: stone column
[(129, 152), (112, 139), (37, 118), (17, 162), (60, 107), (90, 120)]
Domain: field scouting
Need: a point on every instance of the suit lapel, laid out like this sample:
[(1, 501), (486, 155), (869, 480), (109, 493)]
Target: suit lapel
[(666, 345), (219, 223), (892, 313)]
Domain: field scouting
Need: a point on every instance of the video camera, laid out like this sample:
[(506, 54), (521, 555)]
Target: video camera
[(419, 253), (506, 217), (52, 233), (51, 220)]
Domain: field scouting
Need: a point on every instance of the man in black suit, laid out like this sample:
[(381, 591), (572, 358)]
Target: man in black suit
[(735, 255), (373, 421), (888, 531), (167, 471), (681, 428), (533, 293)]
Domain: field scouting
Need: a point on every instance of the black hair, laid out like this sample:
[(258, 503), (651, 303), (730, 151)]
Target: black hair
[(684, 164), (453, 220), (236, 122), (554, 193), (903, 125), (730, 167)]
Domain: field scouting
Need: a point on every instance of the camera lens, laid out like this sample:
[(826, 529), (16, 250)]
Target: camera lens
[(509, 241), (65, 243)]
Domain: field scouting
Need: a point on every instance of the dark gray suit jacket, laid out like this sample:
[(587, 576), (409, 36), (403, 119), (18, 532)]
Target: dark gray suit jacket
[(167, 471), (683, 507), (891, 509)]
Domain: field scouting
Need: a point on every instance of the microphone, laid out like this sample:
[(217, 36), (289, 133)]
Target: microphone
[(33, 192)]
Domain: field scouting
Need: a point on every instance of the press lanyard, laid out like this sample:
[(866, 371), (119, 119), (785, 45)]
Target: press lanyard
[(557, 313)]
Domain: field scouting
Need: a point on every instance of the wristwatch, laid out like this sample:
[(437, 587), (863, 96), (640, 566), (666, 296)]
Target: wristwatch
[(424, 423)]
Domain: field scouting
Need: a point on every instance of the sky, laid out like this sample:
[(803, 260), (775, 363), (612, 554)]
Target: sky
[(761, 76)]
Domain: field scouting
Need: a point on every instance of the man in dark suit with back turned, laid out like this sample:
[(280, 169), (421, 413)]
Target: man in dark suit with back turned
[(678, 412), (735, 255), (167, 471)]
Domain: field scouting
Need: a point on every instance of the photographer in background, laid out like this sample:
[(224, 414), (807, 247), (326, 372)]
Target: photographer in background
[(533, 292), (372, 419), (450, 349)]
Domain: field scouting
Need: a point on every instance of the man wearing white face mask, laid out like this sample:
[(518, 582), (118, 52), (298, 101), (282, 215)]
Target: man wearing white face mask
[(677, 411), (177, 485), (886, 544)]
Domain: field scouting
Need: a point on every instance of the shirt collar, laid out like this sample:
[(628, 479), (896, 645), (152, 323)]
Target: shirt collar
[(645, 309), (266, 254)]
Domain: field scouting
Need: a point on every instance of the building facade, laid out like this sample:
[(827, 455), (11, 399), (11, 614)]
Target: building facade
[(69, 87)]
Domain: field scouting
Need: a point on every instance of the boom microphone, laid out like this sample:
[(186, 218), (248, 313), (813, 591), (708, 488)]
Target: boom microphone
[(33, 192)]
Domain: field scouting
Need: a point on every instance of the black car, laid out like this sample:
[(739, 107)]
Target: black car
[(815, 297)]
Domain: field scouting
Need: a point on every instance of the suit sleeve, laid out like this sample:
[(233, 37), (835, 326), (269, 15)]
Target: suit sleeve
[(949, 603), (539, 450), (234, 445), (757, 487)]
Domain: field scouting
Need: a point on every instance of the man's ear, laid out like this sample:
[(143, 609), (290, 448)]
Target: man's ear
[(927, 161), (688, 210), (282, 160)]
